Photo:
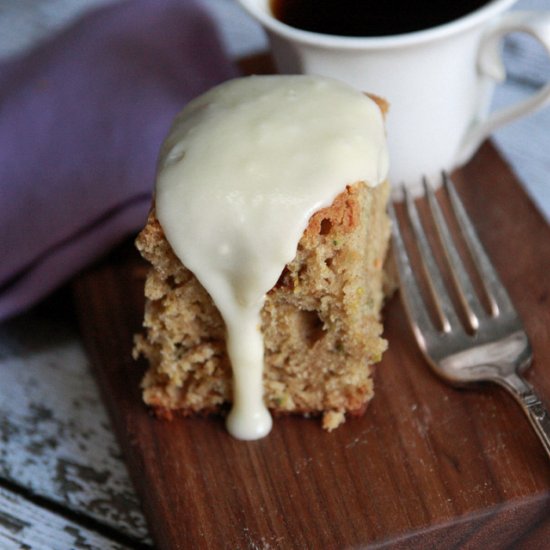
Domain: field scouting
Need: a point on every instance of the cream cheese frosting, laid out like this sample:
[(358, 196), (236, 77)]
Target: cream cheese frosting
[(241, 172)]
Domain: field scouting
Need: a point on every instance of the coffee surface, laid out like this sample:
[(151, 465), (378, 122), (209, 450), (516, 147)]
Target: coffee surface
[(368, 17)]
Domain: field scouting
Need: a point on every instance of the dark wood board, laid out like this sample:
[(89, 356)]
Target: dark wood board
[(428, 466)]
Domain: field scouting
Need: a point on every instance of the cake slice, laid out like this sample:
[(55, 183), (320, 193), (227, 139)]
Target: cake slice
[(319, 322)]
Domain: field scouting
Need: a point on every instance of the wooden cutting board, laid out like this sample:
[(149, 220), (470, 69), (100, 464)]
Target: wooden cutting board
[(427, 466)]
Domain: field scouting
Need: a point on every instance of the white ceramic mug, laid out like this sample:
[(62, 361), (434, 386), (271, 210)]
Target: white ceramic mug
[(438, 81)]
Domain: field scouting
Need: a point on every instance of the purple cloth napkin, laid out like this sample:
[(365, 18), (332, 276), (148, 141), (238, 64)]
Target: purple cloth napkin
[(81, 121)]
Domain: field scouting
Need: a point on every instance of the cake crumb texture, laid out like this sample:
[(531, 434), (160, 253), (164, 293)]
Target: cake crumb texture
[(321, 321)]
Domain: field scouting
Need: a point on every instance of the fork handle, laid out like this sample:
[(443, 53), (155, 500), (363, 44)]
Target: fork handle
[(530, 402)]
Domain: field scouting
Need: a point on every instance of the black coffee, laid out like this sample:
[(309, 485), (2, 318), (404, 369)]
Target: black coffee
[(370, 17)]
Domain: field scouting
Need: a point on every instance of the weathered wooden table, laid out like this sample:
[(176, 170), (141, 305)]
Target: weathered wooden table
[(63, 481)]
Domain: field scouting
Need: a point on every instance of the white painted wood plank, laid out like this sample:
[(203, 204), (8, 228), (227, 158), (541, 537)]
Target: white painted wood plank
[(24, 22), (55, 436), (525, 144), (24, 525), (526, 60)]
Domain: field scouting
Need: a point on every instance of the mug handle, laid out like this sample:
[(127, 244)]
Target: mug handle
[(490, 65)]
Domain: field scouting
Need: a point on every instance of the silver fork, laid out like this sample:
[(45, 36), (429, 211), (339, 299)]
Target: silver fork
[(496, 347)]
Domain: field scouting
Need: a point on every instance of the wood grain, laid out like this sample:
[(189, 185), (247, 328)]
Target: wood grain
[(427, 465), (25, 525), (56, 441)]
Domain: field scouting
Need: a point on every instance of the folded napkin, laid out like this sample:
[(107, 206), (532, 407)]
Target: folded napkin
[(81, 121)]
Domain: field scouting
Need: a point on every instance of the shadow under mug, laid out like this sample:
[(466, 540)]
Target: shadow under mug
[(439, 81)]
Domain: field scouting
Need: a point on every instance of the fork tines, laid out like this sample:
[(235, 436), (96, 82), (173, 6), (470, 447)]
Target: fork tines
[(497, 298), (491, 345)]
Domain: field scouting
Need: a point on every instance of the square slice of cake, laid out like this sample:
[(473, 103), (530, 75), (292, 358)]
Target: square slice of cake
[(318, 318)]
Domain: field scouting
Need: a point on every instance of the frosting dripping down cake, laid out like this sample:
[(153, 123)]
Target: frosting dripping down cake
[(267, 240)]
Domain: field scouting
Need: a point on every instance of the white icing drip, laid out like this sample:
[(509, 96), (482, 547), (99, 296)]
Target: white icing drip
[(240, 174)]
